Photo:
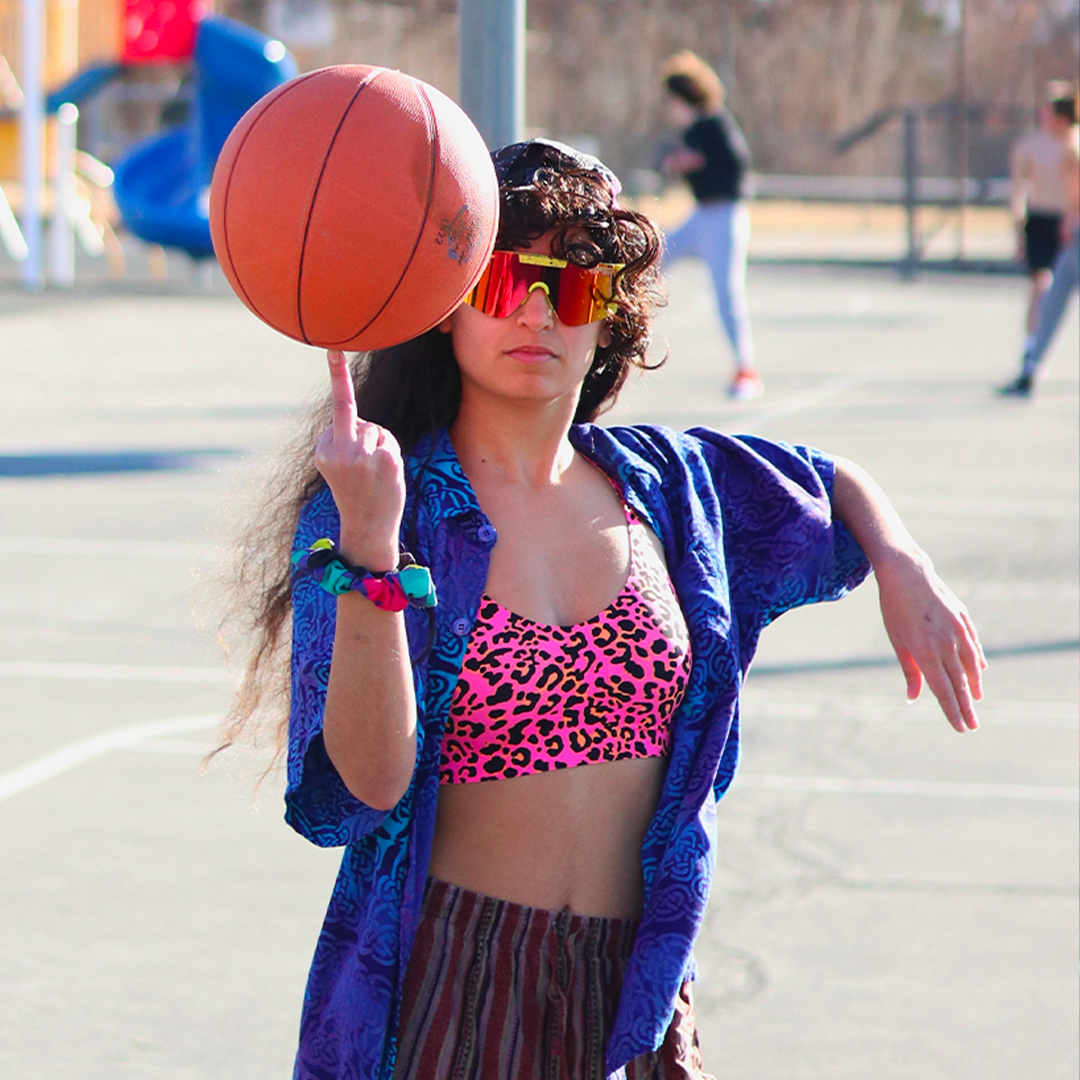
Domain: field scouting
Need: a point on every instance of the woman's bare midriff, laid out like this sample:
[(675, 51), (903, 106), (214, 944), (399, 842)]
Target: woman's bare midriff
[(566, 839)]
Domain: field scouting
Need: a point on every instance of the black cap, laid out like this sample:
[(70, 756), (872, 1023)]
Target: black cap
[(516, 165)]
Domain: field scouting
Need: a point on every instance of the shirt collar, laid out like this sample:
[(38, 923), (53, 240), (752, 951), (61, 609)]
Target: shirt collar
[(443, 485), (447, 492)]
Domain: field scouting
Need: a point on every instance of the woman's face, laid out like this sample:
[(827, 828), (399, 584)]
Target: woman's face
[(529, 355)]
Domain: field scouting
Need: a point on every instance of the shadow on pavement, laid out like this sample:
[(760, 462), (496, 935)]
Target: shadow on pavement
[(75, 463)]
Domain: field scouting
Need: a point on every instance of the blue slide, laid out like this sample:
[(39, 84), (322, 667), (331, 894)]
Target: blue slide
[(162, 184)]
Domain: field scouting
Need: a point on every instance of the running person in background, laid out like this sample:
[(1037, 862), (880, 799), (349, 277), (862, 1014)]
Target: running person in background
[(521, 754), (1039, 198), (715, 162), (1065, 273)]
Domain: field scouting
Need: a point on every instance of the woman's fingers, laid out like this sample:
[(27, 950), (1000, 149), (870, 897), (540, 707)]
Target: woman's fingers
[(948, 674), (912, 672), (973, 660), (954, 699), (962, 691), (342, 395), (934, 638)]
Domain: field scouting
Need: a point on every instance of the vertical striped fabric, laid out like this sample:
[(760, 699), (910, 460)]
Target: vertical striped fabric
[(500, 991)]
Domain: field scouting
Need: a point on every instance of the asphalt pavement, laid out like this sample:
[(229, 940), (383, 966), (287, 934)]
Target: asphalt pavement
[(892, 900)]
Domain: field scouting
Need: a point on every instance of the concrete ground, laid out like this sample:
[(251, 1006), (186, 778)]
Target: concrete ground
[(892, 900)]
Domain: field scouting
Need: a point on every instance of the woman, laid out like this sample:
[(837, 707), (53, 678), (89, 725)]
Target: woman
[(523, 764), (715, 162)]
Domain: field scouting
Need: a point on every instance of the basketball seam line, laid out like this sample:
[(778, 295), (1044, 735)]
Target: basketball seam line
[(371, 76), (228, 187), (430, 112)]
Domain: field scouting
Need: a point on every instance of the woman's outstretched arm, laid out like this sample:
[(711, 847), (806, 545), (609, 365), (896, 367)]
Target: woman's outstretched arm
[(369, 726), (929, 628)]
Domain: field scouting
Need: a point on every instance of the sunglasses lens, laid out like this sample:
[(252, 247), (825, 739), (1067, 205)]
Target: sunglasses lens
[(582, 295), (577, 295)]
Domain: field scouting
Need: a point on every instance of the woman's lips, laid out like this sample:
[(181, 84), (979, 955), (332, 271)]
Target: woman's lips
[(531, 354)]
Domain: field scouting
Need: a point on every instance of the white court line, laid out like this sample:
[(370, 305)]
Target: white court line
[(29, 669), (127, 549), (935, 789), (796, 403), (759, 703), (1067, 509), (78, 753)]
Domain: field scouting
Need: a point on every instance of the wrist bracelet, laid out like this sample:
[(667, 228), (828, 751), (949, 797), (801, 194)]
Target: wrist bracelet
[(394, 590)]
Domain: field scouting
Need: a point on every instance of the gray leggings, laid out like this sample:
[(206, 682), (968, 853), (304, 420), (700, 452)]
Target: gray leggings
[(1054, 302), (720, 234)]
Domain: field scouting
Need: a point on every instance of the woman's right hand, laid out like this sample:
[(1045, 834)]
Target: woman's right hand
[(361, 462)]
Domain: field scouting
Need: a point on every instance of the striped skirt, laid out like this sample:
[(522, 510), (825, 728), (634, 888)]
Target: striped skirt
[(500, 991)]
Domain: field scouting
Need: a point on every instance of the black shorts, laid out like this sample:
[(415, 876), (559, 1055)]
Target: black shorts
[(1042, 240)]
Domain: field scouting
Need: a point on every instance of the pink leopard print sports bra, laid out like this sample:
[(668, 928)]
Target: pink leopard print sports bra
[(533, 697)]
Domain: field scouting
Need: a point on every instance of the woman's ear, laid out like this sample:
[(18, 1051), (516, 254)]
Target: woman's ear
[(444, 326), (604, 339)]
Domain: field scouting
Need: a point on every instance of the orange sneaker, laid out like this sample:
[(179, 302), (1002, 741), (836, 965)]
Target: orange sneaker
[(746, 385)]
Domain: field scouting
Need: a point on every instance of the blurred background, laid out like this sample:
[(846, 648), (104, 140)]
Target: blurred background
[(891, 901), (879, 129)]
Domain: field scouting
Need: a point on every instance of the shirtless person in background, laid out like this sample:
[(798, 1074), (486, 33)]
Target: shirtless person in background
[(1039, 198), (1065, 275)]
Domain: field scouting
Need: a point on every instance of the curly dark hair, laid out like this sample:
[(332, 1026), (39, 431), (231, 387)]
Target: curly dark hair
[(688, 77), (415, 388)]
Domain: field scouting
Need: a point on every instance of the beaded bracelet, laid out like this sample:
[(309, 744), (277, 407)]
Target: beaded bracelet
[(395, 590)]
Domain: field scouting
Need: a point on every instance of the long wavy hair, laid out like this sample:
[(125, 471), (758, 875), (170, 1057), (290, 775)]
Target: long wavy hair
[(415, 388)]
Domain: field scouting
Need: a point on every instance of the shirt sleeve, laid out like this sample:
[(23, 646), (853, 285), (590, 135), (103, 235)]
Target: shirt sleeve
[(740, 151), (318, 805), (782, 546)]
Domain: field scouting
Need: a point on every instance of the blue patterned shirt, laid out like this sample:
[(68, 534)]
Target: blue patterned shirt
[(748, 533)]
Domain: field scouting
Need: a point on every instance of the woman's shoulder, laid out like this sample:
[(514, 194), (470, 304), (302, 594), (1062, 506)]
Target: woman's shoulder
[(667, 453), (651, 442), (641, 438), (703, 454)]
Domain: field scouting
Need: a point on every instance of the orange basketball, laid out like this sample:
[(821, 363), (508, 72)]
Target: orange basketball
[(353, 207)]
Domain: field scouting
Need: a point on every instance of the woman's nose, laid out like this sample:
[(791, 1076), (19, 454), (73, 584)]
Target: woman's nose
[(536, 311)]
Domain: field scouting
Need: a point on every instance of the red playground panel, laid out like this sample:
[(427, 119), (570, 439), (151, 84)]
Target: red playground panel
[(161, 30)]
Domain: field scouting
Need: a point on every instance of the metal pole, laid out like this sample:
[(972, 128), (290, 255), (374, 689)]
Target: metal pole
[(65, 199), (491, 65), (31, 137), (728, 68), (911, 190), (964, 132)]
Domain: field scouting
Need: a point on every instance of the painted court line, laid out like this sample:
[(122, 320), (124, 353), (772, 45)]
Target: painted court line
[(1065, 509), (79, 753), (760, 703), (808, 399), (139, 737), (29, 669), (182, 747), (934, 789), (127, 549)]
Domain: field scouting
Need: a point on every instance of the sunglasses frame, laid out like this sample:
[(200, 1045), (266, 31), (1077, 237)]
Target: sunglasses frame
[(600, 309)]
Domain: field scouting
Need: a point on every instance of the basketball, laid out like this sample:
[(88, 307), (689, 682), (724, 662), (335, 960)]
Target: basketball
[(353, 207)]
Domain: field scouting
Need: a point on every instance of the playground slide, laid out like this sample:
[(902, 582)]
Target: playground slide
[(162, 184)]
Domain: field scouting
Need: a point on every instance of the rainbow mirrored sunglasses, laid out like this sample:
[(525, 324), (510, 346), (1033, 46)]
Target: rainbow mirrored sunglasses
[(577, 294)]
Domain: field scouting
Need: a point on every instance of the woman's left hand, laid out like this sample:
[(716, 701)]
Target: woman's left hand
[(929, 628), (933, 635)]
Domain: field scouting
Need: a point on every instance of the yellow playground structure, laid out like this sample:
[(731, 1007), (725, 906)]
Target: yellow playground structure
[(80, 36)]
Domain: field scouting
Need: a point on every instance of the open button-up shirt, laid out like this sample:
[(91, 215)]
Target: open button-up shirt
[(748, 532)]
